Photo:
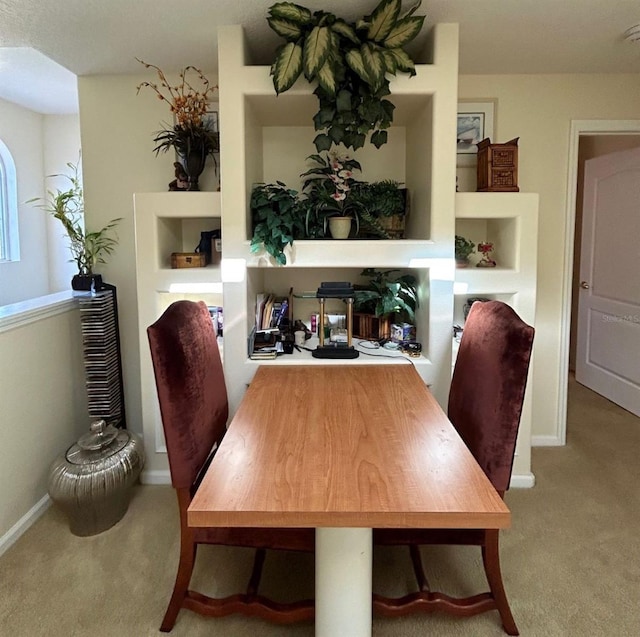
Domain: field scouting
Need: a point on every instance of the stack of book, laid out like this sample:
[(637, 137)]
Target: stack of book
[(271, 311), (264, 344)]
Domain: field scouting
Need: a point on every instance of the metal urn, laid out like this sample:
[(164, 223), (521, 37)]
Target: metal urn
[(92, 482)]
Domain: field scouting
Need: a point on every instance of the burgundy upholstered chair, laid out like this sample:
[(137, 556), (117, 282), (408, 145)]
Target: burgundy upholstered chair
[(193, 404), (485, 404)]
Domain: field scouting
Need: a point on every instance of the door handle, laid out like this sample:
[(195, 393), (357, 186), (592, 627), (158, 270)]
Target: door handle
[(584, 285)]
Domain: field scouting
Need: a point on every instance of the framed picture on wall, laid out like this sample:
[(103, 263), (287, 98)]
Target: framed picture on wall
[(476, 121), (211, 117)]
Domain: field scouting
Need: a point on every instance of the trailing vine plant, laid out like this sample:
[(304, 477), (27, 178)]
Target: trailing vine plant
[(349, 61)]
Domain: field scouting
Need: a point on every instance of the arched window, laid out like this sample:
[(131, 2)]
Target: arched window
[(9, 241)]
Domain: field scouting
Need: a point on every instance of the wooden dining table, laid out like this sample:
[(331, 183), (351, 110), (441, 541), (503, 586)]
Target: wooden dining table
[(343, 449)]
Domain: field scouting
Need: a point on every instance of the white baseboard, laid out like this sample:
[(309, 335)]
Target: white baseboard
[(523, 481), (546, 441), (155, 477), (14, 533)]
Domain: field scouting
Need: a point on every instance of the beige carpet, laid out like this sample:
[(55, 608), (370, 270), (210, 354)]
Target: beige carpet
[(571, 562)]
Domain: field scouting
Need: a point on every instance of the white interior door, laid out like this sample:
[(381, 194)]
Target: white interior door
[(608, 341)]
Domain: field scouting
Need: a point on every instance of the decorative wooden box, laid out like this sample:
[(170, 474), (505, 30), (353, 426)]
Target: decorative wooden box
[(371, 327), (188, 259), (498, 166), (393, 225)]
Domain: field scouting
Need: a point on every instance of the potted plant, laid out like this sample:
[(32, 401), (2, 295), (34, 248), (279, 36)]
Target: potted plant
[(193, 135), (349, 61), (327, 187), (88, 248), (278, 218), (386, 202), (386, 295), (463, 249)]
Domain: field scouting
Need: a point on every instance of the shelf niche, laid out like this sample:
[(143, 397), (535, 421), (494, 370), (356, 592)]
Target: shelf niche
[(267, 138), (281, 138), (502, 233), (279, 281), (181, 235)]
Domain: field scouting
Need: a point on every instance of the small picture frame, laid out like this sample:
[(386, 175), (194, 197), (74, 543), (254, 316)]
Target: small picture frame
[(212, 116), (475, 122)]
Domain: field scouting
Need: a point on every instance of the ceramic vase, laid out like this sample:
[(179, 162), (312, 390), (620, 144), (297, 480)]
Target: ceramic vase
[(193, 163), (340, 227)]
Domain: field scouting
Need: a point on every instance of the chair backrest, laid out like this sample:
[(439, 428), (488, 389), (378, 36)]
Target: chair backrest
[(488, 386), (191, 388)]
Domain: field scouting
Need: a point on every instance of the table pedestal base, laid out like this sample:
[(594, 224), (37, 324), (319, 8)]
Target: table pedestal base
[(344, 562)]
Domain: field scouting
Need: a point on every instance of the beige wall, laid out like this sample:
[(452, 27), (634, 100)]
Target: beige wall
[(21, 131), (117, 129), (61, 144), (43, 411), (539, 110), (41, 145), (42, 397)]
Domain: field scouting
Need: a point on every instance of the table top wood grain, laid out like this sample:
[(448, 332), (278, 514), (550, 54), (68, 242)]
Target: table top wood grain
[(344, 446)]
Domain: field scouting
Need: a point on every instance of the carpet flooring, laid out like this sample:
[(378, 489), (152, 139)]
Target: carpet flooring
[(571, 561)]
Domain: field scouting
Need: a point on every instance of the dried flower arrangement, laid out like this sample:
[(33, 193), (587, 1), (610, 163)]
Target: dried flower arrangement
[(193, 136), (186, 102)]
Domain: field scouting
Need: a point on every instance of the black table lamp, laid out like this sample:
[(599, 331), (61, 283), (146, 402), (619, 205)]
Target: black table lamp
[(335, 290)]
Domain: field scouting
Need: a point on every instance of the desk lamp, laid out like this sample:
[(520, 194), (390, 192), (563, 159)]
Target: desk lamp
[(335, 290)]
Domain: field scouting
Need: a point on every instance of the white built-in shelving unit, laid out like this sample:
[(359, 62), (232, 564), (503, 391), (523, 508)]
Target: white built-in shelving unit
[(509, 221), (265, 138), (168, 222)]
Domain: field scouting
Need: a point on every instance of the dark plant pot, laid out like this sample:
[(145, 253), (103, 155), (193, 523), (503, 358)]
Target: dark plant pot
[(86, 282), (193, 163)]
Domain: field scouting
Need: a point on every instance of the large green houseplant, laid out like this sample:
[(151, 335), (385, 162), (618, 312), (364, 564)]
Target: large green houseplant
[(87, 248), (332, 192), (386, 203), (387, 297), (387, 293), (278, 218), (349, 61)]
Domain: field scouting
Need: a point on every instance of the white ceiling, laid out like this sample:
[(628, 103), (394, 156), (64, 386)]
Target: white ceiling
[(89, 37)]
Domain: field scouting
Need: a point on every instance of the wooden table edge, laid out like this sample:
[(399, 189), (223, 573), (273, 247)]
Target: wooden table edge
[(462, 520)]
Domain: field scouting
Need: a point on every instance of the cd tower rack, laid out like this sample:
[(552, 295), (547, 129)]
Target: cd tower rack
[(102, 359)]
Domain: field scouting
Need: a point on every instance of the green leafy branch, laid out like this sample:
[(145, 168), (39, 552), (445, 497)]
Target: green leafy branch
[(67, 206), (387, 294), (278, 219), (349, 61)]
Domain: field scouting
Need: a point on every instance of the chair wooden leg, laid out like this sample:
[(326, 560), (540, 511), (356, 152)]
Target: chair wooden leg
[(491, 560), (418, 569), (256, 573), (180, 588)]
